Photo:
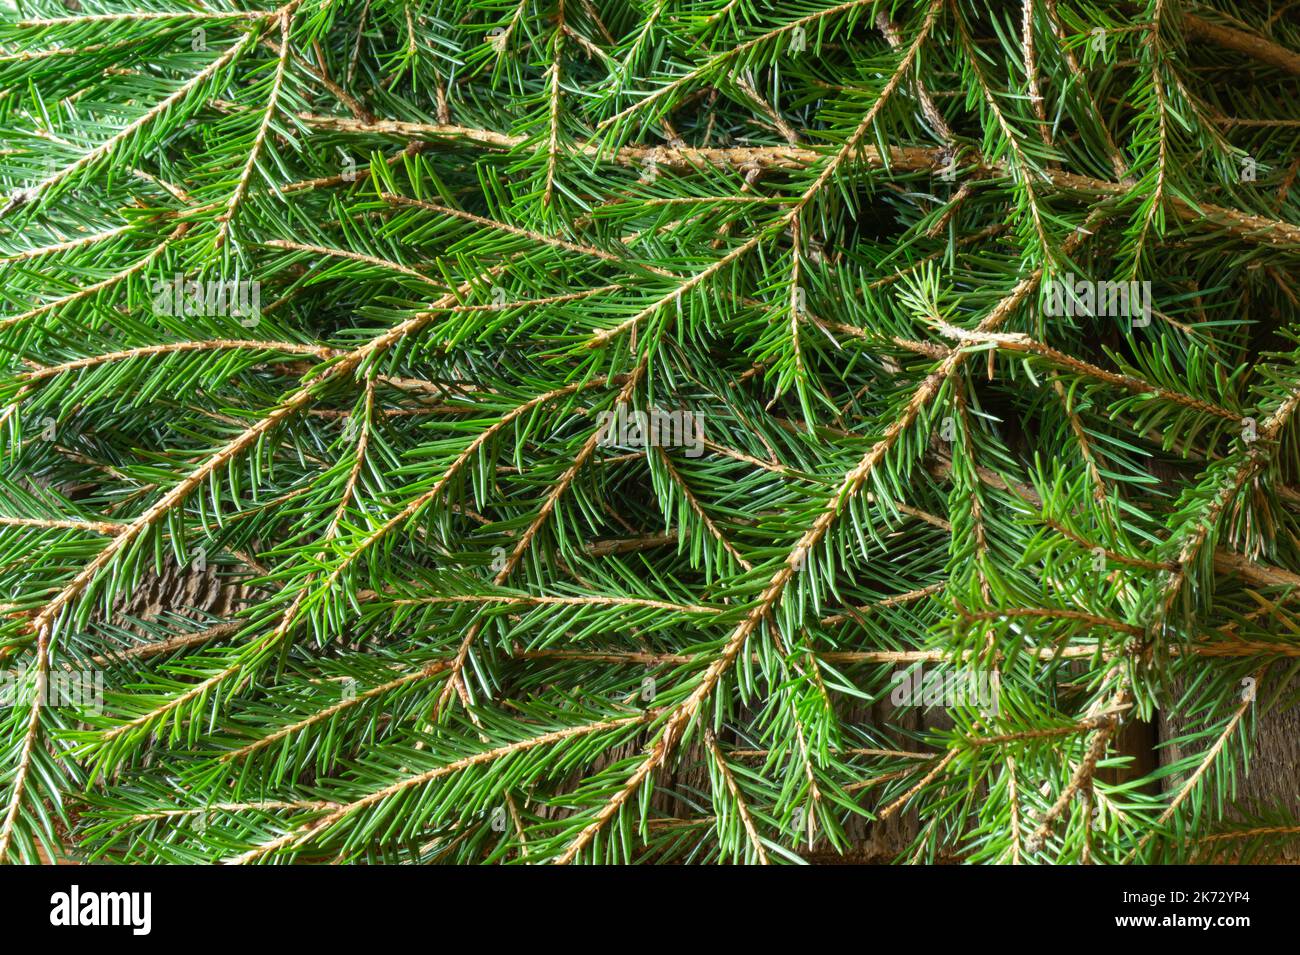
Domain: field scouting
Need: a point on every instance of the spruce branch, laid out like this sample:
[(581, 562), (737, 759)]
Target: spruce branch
[(504, 432)]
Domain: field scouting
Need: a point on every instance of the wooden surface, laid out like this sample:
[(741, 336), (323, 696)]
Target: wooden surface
[(1272, 778)]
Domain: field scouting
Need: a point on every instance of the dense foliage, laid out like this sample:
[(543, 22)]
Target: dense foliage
[(603, 405)]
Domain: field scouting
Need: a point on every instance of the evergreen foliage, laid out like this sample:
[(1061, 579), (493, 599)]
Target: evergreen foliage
[(438, 242)]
